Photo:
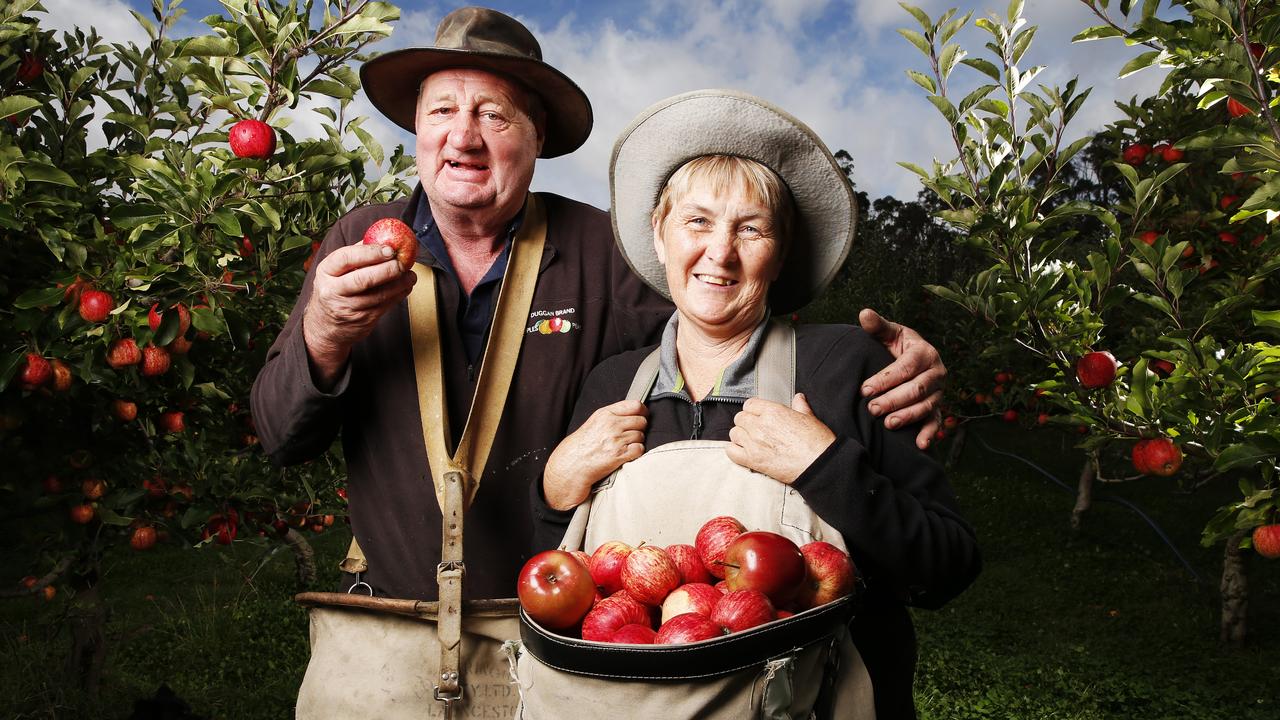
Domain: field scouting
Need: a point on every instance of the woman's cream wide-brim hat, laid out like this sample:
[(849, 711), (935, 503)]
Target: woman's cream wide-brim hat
[(726, 122)]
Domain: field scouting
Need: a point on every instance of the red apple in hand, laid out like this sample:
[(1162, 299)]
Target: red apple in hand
[(634, 634), (611, 614), (690, 564), (743, 609), (830, 575), (687, 628), (713, 538), (606, 566), (649, 575), (767, 562), (1096, 369), (252, 139), (396, 235), (699, 598), (555, 589)]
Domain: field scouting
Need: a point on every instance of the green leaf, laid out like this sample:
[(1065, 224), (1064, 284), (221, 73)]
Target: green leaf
[(1267, 319), (919, 15), (227, 222), (125, 217), (946, 108), (1140, 62), (923, 81), (1242, 455), (918, 40), (985, 67), (39, 298), (15, 104), (208, 46), (295, 241), (48, 174), (206, 320), (1097, 32)]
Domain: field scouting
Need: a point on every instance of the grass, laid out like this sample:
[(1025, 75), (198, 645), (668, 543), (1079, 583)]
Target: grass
[(1100, 623)]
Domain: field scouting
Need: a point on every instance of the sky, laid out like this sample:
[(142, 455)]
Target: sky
[(838, 65)]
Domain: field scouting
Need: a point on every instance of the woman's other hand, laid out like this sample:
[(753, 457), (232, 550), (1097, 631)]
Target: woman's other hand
[(909, 389), (777, 440), (613, 435)]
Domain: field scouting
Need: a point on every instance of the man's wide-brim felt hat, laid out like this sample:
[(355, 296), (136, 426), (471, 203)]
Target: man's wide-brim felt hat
[(726, 122), (483, 39)]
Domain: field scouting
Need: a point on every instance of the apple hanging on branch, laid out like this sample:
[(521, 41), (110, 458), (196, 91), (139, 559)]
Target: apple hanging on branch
[(252, 139)]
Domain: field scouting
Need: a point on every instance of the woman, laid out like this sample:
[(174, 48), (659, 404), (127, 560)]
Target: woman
[(734, 210)]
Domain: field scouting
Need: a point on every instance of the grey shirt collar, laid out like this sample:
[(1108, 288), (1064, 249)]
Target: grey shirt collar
[(737, 381)]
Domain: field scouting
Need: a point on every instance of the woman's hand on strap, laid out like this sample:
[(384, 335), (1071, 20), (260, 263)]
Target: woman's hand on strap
[(777, 440), (613, 435), (909, 389)]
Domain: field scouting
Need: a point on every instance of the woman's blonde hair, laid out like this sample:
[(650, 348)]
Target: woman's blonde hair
[(730, 173)]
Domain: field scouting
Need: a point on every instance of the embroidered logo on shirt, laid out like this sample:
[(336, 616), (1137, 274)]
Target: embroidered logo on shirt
[(552, 322)]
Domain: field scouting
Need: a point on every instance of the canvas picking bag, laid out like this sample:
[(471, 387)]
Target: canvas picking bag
[(394, 658), (798, 667)]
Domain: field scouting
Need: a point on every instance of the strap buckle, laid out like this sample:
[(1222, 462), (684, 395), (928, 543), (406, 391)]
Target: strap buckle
[(449, 697), (451, 567), (359, 583)]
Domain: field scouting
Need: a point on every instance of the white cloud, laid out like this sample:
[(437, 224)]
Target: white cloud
[(836, 64)]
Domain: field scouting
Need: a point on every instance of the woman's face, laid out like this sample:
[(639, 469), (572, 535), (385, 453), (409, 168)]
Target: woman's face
[(721, 255)]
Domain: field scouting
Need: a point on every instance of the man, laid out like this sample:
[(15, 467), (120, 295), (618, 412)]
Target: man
[(483, 106)]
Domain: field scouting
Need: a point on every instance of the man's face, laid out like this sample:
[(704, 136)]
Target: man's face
[(476, 143)]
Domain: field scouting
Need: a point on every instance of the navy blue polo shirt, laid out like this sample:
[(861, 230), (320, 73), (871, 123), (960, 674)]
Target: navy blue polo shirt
[(475, 313)]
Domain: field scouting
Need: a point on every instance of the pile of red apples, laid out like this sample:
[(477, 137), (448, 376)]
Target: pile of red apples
[(727, 581)]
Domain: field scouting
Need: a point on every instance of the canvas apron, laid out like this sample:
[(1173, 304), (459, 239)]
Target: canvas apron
[(787, 669), (395, 658)]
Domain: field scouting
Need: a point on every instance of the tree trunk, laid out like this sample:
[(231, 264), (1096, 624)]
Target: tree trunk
[(1084, 491), (304, 558), (87, 618), (957, 447), (1235, 593)]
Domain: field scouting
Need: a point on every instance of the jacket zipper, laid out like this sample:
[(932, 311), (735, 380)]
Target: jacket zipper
[(697, 412)]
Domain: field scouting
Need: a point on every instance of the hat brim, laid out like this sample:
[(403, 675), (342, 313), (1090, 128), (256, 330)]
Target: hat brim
[(392, 80), (726, 122)]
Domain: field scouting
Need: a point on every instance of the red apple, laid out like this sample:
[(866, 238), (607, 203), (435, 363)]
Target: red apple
[(252, 139), (1010, 416), (581, 556), (1136, 154), (172, 422), (123, 353), (698, 598), (1227, 201), (606, 566), (1266, 541), (51, 484), (723, 587), (767, 562), (555, 589), (611, 614), (1042, 419), (688, 561), (81, 514), (30, 68), (634, 634), (1157, 456), (1003, 377), (155, 361), (143, 538), (1171, 154), (1096, 369), (246, 247), (154, 318), (742, 610), (156, 486), (124, 410), (1163, 368), (649, 575), (1236, 109), (62, 377), (96, 306), (1149, 237), (93, 488), (687, 628), (831, 575), (1228, 238), (713, 538), (393, 233), (36, 371)]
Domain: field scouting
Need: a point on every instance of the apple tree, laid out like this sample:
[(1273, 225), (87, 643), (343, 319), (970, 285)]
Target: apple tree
[(149, 262), (1151, 333)]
